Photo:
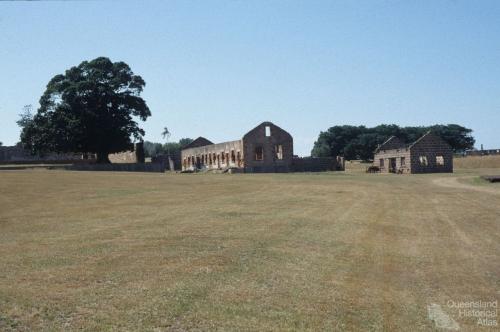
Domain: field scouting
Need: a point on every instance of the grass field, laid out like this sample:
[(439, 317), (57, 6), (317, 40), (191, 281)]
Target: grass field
[(475, 162), (174, 252)]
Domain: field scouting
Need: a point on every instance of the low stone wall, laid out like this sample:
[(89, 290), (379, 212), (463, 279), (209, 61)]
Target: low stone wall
[(48, 162), (310, 164), (268, 169), (17, 155), (131, 167), (175, 157), (135, 155), (126, 157)]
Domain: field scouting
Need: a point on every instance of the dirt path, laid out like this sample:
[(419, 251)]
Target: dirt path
[(453, 183)]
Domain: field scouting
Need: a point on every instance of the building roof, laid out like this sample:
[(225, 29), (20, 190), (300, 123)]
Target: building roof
[(264, 124), (392, 143), (200, 141), (427, 135), (395, 143), (421, 138)]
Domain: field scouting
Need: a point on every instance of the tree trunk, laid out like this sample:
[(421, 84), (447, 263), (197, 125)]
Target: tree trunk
[(102, 158)]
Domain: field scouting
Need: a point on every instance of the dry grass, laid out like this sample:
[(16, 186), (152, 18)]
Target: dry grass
[(155, 252), (475, 162)]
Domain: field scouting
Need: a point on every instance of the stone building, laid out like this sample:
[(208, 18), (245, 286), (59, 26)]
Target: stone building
[(265, 149), (428, 154)]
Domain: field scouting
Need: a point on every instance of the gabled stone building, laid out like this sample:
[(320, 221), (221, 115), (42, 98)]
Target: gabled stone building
[(429, 154), (265, 149)]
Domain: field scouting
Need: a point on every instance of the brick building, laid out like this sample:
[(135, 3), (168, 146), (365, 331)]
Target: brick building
[(266, 148), (428, 154)]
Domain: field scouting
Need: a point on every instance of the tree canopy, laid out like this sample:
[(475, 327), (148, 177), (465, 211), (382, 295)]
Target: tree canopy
[(90, 108), (359, 142), (153, 149)]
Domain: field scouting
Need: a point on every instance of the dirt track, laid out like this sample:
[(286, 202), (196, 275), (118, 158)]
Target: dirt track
[(453, 183)]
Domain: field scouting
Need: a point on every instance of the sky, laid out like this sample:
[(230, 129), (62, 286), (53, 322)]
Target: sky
[(219, 68)]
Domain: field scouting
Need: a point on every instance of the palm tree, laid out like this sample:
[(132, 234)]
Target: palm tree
[(165, 133), (166, 136)]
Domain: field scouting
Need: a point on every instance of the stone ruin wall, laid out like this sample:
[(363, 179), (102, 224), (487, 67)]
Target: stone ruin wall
[(311, 164), (18, 155), (432, 147), (213, 156), (127, 157), (401, 164), (268, 137)]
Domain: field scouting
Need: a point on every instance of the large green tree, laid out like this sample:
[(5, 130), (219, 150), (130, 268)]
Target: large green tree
[(359, 142), (92, 107)]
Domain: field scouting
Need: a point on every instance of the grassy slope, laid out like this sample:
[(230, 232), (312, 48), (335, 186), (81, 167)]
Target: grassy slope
[(476, 162), (329, 251)]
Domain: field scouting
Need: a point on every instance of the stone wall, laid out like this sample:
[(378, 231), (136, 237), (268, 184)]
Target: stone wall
[(120, 167), (276, 145), (135, 155), (402, 160), (434, 149), (17, 155), (213, 156), (175, 157), (310, 164), (123, 157)]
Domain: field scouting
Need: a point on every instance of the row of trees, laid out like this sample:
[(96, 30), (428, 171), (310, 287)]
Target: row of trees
[(152, 149), (359, 142)]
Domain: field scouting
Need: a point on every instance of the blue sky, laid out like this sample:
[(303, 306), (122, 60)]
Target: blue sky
[(218, 68)]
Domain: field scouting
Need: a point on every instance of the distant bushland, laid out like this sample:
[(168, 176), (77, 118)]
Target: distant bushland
[(359, 142), (152, 149)]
